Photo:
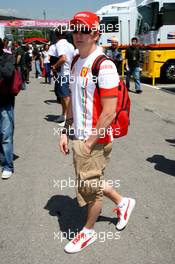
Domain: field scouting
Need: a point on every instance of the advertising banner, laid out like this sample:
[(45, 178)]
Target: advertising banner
[(33, 23)]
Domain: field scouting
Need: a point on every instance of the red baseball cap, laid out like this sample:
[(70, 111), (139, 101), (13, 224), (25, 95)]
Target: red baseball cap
[(88, 19)]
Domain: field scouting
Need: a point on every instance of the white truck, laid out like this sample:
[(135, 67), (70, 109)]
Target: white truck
[(153, 22), (156, 30), (123, 17)]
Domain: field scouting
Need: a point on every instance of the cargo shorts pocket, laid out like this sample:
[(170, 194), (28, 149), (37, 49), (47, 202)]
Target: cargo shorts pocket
[(89, 183), (90, 174), (79, 149), (81, 158)]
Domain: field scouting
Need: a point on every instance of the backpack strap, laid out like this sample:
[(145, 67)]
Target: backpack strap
[(74, 60), (96, 67)]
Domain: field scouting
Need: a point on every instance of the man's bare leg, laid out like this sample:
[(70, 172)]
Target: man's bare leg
[(65, 103), (94, 210), (112, 194)]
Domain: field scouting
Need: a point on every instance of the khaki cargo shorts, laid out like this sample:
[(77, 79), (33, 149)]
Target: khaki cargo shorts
[(89, 170)]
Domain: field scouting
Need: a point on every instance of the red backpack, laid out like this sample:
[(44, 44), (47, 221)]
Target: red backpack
[(122, 120)]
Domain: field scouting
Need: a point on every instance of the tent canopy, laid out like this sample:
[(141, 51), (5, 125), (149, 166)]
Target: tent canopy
[(38, 40)]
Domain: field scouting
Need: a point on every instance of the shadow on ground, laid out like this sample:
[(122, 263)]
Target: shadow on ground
[(15, 157), (132, 91), (171, 141), (163, 164), (51, 118), (43, 83), (71, 217), (50, 101)]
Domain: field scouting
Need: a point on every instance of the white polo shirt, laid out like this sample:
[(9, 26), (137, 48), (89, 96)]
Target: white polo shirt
[(63, 47)]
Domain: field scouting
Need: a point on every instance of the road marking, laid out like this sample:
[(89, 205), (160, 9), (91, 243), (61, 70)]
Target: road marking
[(151, 86)]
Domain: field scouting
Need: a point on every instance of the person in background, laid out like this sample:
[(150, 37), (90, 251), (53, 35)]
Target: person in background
[(62, 68), (6, 46), (53, 54), (37, 59), (132, 65), (46, 63), (28, 64), (14, 46), (114, 52), (30, 51), (7, 103), (20, 62)]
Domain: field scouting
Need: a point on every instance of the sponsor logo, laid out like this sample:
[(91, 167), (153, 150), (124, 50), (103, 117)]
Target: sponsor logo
[(84, 72)]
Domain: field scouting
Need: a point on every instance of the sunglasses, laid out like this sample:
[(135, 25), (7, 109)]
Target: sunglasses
[(82, 30)]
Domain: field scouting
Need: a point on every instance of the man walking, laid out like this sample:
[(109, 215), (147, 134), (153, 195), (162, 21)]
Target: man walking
[(92, 112), (132, 65), (65, 51)]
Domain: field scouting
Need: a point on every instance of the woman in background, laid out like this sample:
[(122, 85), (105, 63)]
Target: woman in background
[(46, 62)]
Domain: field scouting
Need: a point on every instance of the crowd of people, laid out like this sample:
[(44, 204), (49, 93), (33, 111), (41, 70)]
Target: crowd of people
[(81, 104)]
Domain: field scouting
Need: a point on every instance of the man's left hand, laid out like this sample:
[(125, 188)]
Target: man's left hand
[(87, 147)]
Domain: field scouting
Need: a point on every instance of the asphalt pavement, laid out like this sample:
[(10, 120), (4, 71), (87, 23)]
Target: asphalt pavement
[(38, 209)]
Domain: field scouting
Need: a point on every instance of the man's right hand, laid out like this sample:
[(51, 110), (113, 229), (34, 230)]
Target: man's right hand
[(63, 144)]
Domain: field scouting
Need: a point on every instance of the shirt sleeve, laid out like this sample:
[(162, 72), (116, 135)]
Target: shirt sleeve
[(108, 79), (60, 49)]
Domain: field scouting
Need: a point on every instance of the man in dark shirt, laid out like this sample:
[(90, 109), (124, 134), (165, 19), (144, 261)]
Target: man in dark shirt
[(7, 66), (20, 55), (132, 64), (20, 62)]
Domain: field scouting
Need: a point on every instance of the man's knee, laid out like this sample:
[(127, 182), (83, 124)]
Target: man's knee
[(66, 99)]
